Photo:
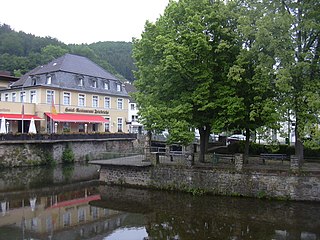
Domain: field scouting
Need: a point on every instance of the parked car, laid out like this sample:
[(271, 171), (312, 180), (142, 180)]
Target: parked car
[(235, 138)]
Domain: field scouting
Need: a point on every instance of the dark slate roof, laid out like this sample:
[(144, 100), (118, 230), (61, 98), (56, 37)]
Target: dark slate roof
[(130, 88), (24, 78), (75, 64), (70, 64)]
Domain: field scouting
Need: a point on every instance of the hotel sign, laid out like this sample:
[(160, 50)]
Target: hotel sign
[(81, 110)]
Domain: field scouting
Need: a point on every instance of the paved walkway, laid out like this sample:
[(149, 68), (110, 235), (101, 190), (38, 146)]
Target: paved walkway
[(136, 161), (253, 165)]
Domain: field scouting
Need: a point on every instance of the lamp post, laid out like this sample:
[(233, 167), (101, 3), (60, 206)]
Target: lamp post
[(55, 127)]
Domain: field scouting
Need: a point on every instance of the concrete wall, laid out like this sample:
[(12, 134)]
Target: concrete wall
[(222, 182), (45, 152)]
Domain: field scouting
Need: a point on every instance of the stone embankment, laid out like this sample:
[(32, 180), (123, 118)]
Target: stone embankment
[(31, 153), (292, 184)]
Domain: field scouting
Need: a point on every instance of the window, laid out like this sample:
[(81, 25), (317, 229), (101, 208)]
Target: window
[(81, 127), (34, 81), (14, 97), (67, 219), (80, 83), (34, 224), (22, 96), (66, 127), (94, 212), (50, 96), (119, 124), (118, 87), (81, 215), (49, 80), (94, 83), (107, 125), (81, 100), (106, 85), (107, 102), (134, 118), (132, 106), (49, 223), (94, 101), (33, 96), (120, 103), (6, 97), (66, 98)]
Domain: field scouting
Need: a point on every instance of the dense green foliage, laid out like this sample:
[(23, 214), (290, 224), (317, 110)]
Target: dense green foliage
[(230, 65), (67, 155), (21, 52), (183, 62)]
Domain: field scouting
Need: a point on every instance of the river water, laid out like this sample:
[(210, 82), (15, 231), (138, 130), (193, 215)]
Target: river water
[(69, 203)]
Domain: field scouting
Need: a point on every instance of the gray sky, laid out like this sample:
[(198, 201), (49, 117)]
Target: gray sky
[(81, 21)]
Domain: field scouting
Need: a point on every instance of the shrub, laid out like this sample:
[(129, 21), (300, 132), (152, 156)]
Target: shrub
[(68, 155)]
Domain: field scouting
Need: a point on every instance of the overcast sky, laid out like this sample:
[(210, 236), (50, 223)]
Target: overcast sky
[(81, 21)]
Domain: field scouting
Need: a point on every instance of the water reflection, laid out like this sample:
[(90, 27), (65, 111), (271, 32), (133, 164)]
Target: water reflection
[(71, 208), (36, 177), (181, 216)]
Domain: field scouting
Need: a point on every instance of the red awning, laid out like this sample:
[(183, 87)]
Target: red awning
[(76, 201), (65, 117), (19, 116)]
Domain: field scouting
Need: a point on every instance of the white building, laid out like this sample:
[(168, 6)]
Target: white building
[(133, 117)]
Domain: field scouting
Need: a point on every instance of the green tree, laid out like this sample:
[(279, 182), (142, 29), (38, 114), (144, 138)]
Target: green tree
[(261, 32), (183, 62), (51, 52), (298, 77)]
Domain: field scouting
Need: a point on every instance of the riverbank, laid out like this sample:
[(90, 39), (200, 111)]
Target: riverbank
[(252, 180)]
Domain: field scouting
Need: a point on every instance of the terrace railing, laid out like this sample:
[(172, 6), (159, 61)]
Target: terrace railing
[(66, 136)]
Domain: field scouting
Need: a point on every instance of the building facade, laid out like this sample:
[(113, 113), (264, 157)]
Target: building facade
[(69, 94), (133, 112)]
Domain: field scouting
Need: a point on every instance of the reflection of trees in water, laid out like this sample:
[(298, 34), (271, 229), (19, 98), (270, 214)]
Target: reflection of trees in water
[(166, 225), (182, 216), (67, 171)]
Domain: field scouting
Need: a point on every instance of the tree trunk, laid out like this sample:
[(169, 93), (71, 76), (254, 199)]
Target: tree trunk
[(246, 146), (204, 139), (298, 147)]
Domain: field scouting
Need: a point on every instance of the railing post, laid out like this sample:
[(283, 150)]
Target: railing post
[(294, 163), (189, 155), (238, 161), (147, 150)]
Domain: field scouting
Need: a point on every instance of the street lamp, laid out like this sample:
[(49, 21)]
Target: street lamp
[(55, 127)]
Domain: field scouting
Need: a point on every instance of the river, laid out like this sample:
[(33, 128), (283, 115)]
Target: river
[(69, 203)]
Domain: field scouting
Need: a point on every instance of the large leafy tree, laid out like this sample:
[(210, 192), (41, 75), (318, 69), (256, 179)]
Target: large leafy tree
[(299, 66), (261, 31), (183, 62)]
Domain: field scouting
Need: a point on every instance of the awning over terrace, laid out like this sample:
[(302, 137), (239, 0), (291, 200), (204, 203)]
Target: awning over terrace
[(19, 116), (76, 118)]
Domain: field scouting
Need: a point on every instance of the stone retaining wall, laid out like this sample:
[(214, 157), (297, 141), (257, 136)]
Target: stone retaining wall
[(45, 152), (223, 182)]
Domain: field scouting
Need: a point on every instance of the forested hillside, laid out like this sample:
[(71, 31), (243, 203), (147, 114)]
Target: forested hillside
[(21, 52)]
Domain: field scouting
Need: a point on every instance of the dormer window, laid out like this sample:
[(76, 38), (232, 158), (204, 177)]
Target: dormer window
[(106, 85), (80, 83), (94, 83), (33, 81), (49, 80), (118, 87)]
